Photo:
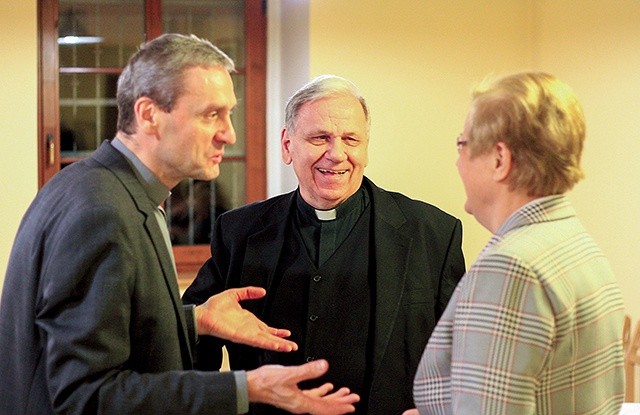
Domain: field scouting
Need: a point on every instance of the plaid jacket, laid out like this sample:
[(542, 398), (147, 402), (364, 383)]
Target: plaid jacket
[(534, 327)]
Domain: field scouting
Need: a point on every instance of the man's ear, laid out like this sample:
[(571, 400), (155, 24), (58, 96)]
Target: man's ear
[(146, 114), (503, 162), (285, 143)]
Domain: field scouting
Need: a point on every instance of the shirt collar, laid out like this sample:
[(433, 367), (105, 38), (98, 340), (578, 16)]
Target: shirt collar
[(156, 191), (357, 201), (543, 209)]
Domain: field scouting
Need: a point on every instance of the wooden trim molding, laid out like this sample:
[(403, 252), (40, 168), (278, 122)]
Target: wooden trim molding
[(256, 98), (48, 110)]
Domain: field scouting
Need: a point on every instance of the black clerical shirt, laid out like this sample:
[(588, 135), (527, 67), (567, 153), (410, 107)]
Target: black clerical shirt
[(323, 237)]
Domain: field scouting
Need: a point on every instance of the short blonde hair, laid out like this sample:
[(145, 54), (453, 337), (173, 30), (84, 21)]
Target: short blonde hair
[(540, 120)]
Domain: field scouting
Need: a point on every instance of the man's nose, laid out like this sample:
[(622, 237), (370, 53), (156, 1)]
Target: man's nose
[(227, 134), (336, 150)]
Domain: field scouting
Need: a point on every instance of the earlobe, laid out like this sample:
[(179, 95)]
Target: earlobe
[(285, 141), (145, 111), (503, 162)]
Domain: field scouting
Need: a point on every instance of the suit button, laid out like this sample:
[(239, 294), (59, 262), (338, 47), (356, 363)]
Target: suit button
[(313, 317), (317, 278), (310, 359)]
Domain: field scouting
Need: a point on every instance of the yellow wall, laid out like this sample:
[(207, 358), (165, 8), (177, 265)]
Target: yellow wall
[(415, 62), (18, 117), (594, 45)]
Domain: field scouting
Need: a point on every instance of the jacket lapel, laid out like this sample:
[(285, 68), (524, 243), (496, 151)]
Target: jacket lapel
[(117, 163), (264, 247), (391, 248)]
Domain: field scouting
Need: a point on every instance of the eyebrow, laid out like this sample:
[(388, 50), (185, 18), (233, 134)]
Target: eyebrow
[(217, 107), (325, 132)]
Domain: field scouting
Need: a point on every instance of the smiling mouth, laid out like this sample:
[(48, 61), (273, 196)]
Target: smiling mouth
[(337, 172)]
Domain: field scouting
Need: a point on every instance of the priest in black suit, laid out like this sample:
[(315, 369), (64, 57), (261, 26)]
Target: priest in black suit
[(358, 274)]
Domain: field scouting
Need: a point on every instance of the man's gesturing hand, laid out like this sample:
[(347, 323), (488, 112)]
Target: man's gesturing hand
[(278, 386), (222, 316)]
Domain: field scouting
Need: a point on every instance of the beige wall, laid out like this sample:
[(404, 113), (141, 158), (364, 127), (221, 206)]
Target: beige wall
[(594, 45), (415, 61), (18, 117)]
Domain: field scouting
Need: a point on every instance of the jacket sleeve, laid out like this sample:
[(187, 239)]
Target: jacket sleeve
[(84, 314), (209, 281), (453, 269)]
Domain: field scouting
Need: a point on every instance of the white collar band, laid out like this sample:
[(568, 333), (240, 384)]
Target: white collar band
[(325, 215)]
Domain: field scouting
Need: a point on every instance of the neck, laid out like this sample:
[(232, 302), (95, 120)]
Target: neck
[(505, 209), (356, 201), (136, 144)]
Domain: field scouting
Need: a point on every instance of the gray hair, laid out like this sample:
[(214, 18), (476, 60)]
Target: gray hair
[(324, 86), (156, 70)]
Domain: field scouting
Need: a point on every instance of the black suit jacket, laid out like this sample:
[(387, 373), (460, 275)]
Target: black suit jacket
[(91, 320), (418, 262)]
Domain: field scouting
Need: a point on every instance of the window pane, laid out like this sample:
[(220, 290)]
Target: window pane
[(220, 21), (88, 76), (238, 118), (193, 204), (105, 33), (88, 112)]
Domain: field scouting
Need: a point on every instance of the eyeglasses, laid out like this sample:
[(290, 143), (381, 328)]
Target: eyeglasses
[(460, 143)]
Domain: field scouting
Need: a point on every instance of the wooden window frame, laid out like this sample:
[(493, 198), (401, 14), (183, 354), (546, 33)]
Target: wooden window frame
[(188, 258)]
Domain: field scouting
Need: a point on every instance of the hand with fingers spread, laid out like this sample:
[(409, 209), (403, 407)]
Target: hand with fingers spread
[(278, 386), (222, 316)]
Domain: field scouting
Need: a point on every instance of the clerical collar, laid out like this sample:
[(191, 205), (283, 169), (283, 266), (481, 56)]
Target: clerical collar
[(356, 201), (325, 215)]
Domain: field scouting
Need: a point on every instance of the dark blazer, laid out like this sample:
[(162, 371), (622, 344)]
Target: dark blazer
[(418, 262), (90, 319)]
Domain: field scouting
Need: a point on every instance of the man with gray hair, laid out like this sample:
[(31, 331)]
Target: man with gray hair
[(358, 274), (91, 320)]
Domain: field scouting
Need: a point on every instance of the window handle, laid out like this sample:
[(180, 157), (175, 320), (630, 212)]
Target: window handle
[(51, 148)]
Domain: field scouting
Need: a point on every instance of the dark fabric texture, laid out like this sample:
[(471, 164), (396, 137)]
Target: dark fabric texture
[(415, 263), (90, 320)]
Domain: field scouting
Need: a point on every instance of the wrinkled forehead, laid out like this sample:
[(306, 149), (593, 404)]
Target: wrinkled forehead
[(333, 114)]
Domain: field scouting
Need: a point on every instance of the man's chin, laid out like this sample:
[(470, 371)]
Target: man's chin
[(332, 198), (209, 174)]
